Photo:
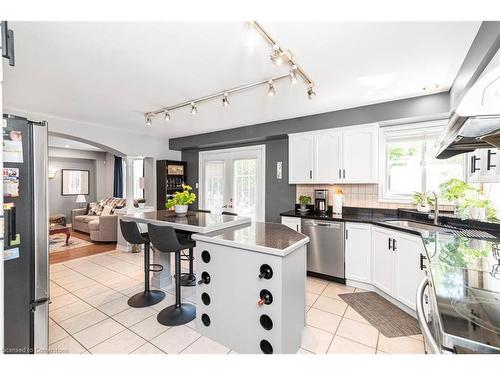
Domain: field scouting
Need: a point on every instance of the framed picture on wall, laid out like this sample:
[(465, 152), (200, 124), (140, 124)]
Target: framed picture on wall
[(75, 182)]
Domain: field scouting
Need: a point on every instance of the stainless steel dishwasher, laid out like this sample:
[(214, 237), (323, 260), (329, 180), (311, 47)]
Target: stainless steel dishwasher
[(325, 253)]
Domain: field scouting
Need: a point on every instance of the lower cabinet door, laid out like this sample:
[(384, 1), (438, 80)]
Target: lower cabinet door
[(383, 260), (358, 241), (408, 268)]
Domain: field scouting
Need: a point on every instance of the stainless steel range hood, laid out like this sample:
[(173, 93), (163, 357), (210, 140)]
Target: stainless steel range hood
[(476, 121)]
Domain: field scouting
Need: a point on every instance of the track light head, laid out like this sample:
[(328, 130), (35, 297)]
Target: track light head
[(167, 116), (271, 91), (194, 109), (293, 74), (225, 100), (148, 120), (277, 57), (310, 92)]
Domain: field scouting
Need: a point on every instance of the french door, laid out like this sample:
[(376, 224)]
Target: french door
[(233, 180)]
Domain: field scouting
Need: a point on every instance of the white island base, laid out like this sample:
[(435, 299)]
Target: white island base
[(228, 309)]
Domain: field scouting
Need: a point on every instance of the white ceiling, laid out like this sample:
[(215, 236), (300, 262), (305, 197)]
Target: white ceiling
[(110, 73), (70, 144)]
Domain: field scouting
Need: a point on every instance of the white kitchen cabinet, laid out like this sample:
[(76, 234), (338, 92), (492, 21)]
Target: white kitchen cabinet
[(339, 155), (360, 154), (328, 168), (301, 158), (358, 249), (409, 270), (291, 222), (383, 259), (483, 165)]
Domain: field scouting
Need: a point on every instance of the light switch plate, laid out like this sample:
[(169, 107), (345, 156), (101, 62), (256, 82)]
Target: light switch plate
[(279, 170)]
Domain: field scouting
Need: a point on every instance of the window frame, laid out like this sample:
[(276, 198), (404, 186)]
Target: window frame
[(386, 134)]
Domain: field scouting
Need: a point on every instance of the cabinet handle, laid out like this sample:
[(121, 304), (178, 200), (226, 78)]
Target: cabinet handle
[(346, 234), (340, 173), (343, 173), (474, 160), (393, 244), (310, 175), (389, 243), (422, 265), (489, 164), (297, 227)]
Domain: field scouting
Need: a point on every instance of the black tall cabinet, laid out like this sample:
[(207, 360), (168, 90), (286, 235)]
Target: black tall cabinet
[(170, 176)]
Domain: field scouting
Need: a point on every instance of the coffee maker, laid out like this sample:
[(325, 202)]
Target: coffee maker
[(321, 201)]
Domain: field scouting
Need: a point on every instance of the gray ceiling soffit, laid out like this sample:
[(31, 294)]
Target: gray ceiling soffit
[(422, 106), (483, 49)]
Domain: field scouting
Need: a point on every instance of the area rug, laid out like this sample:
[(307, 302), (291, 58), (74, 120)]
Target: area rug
[(389, 319), (57, 242)]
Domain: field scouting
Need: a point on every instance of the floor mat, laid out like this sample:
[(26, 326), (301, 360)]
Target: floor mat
[(389, 319), (57, 242)]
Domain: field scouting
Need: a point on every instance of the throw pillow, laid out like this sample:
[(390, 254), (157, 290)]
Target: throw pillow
[(106, 211)]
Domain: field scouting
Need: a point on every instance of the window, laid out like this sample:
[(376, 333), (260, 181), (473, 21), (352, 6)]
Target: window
[(408, 163), (138, 165)]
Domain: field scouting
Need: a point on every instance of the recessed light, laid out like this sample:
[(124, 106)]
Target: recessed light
[(434, 86)]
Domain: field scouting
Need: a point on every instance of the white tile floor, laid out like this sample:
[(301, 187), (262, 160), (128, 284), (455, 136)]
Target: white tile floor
[(89, 314)]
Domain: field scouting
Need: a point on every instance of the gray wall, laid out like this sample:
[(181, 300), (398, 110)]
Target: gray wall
[(59, 204), (280, 196), (483, 48)]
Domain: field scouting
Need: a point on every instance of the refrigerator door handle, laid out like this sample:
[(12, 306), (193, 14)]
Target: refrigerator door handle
[(41, 234)]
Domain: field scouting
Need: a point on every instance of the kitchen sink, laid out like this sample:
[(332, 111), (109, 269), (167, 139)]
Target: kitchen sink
[(418, 226)]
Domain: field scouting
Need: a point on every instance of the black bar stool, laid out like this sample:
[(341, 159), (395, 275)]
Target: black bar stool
[(165, 239), (189, 279), (131, 233)]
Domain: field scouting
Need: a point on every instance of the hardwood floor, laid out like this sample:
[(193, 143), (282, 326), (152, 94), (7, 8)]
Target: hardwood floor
[(79, 252)]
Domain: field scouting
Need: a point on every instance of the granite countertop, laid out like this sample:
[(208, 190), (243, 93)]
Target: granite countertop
[(359, 215), (269, 238), (193, 222)]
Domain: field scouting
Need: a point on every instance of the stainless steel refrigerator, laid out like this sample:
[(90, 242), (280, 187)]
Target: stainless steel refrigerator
[(26, 256)]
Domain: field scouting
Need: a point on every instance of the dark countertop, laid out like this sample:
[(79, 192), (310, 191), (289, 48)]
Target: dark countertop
[(269, 238), (465, 274)]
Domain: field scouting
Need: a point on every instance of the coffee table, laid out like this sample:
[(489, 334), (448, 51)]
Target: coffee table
[(54, 229)]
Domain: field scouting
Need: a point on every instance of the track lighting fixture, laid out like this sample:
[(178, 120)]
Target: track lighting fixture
[(279, 56), (293, 74), (225, 100), (310, 92), (271, 91)]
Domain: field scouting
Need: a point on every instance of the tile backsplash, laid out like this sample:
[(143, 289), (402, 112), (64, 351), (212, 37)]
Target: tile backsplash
[(355, 195)]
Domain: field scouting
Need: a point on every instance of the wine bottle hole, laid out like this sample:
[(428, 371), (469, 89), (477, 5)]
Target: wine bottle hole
[(205, 320), (266, 322), (205, 277), (205, 256), (266, 272), (266, 347), (266, 297), (206, 299)]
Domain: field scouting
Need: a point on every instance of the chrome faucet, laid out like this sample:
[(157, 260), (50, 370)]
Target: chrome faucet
[(436, 208)]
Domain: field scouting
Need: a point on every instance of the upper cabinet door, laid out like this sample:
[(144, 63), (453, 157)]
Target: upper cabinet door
[(328, 157), (360, 154), (300, 158)]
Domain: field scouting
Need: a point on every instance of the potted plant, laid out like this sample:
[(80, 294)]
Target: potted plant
[(181, 200), (476, 206), (141, 202), (304, 200), (418, 200), (454, 190)]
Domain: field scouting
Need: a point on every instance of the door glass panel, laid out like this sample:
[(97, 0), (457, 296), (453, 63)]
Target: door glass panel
[(214, 186), (245, 187)]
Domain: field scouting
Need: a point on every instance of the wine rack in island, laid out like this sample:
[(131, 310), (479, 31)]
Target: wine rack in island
[(170, 176), (251, 301)]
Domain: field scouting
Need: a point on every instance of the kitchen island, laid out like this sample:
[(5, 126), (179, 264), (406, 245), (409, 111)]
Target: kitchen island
[(251, 277)]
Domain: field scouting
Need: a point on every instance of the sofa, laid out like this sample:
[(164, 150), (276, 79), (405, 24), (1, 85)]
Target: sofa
[(98, 219)]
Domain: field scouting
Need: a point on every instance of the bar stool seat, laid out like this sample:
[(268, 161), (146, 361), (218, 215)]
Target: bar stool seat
[(165, 239), (131, 233)]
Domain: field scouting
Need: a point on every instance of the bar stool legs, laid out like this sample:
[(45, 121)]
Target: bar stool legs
[(189, 279), (148, 297), (180, 313)]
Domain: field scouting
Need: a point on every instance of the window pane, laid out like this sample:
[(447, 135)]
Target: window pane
[(441, 170), (138, 166), (214, 186), (404, 160), (245, 192)]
